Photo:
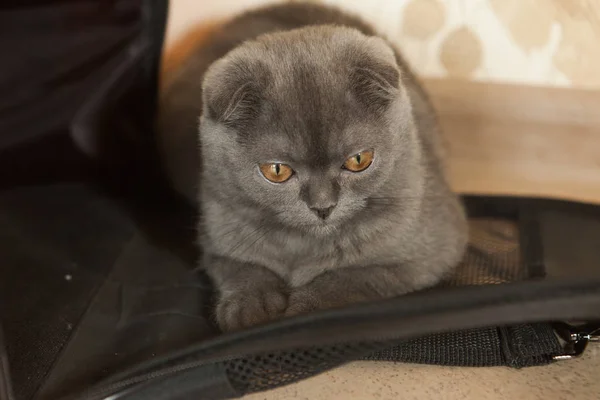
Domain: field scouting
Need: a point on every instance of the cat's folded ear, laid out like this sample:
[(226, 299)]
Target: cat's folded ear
[(232, 92), (375, 75)]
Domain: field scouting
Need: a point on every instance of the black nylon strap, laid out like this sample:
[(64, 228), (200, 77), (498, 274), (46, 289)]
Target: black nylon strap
[(516, 346)]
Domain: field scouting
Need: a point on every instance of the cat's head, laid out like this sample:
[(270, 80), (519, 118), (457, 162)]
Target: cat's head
[(310, 127)]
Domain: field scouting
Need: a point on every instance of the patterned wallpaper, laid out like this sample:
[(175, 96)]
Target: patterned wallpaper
[(541, 42)]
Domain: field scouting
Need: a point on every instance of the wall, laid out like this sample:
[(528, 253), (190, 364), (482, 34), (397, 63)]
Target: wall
[(540, 42)]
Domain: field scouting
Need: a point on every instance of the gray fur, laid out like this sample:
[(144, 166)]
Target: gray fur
[(310, 96)]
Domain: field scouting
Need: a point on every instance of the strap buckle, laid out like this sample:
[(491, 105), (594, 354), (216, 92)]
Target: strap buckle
[(576, 339)]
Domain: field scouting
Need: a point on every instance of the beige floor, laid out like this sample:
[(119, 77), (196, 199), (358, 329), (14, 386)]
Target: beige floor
[(570, 380)]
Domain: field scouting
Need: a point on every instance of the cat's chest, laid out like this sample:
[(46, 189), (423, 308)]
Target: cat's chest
[(297, 252), (298, 258), (306, 257)]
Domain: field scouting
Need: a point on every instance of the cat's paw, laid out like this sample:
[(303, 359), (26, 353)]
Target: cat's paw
[(249, 307), (302, 301), (323, 295)]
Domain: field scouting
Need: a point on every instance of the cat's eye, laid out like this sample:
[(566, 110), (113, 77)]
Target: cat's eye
[(276, 173), (360, 161)]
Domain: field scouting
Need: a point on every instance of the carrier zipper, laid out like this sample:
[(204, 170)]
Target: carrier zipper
[(576, 339)]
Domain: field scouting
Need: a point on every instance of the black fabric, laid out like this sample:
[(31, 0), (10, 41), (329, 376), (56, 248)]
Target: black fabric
[(467, 348), (80, 84), (270, 370), (60, 51), (517, 346), (205, 382), (6, 392), (47, 280), (78, 92), (529, 345), (145, 303)]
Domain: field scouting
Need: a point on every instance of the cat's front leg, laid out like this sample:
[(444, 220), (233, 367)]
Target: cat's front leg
[(347, 286), (248, 294)]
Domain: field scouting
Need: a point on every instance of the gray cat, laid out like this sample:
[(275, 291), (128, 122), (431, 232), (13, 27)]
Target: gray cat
[(319, 164)]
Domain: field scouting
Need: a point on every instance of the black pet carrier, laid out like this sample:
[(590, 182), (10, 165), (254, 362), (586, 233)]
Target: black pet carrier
[(100, 297)]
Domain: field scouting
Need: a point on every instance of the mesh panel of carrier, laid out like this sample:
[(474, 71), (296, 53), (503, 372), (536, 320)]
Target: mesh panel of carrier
[(494, 256)]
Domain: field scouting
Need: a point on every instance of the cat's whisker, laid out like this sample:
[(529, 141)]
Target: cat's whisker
[(246, 238), (258, 237), (406, 197), (237, 227), (396, 200)]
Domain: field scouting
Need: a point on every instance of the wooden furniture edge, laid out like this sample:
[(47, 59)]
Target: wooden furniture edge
[(502, 139), (520, 140)]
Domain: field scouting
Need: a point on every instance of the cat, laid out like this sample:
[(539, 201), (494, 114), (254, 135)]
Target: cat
[(315, 158)]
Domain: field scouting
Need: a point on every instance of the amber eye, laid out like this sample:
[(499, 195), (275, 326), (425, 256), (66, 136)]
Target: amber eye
[(277, 173), (359, 162)]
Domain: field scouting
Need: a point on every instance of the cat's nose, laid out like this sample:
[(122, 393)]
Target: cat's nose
[(322, 213)]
